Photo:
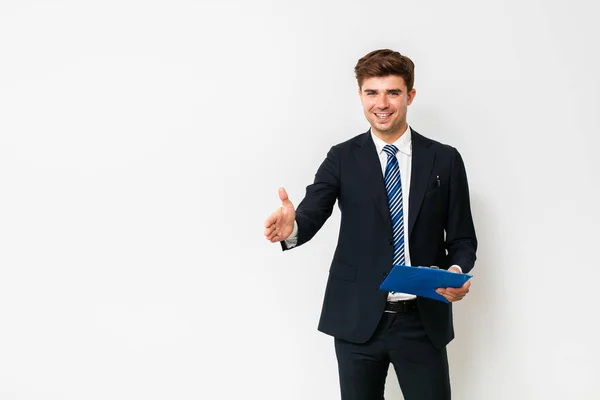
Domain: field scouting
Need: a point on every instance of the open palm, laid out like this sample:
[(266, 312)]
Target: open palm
[(280, 224)]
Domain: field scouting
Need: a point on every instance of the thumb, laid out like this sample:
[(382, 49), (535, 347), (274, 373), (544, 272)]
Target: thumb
[(283, 196)]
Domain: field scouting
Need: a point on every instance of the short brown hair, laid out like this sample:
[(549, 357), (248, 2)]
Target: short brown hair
[(385, 62)]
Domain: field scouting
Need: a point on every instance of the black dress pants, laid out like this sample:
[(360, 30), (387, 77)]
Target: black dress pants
[(400, 338)]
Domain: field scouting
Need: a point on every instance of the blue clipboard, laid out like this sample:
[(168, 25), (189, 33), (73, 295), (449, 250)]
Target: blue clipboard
[(422, 281)]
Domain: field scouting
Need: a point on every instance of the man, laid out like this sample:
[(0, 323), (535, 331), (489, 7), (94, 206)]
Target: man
[(404, 199)]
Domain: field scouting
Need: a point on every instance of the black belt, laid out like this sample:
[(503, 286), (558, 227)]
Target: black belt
[(401, 306)]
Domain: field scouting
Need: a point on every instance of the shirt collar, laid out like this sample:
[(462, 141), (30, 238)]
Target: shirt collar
[(404, 142)]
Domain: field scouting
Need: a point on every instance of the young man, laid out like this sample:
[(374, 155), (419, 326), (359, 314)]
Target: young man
[(404, 199)]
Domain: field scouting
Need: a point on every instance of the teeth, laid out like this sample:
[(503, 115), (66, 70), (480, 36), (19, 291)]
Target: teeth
[(382, 115)]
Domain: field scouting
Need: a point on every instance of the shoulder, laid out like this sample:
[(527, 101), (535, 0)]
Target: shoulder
[(345, 148), (434, 145), (446, 156), (358, 140)]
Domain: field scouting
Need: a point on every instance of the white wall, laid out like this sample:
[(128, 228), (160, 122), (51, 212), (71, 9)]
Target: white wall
[(142, 144)]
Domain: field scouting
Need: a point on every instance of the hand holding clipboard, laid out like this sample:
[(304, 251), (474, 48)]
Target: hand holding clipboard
[(422, 281)]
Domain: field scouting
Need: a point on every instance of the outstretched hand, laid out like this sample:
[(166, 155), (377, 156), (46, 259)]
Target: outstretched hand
[(280, 224)]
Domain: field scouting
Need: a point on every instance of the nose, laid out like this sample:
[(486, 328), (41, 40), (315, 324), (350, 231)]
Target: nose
[(382, 102)]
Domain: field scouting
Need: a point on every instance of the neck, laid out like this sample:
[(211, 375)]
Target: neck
[(390, 137)]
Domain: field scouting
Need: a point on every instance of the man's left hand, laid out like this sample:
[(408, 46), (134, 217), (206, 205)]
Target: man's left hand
[(455, 294)]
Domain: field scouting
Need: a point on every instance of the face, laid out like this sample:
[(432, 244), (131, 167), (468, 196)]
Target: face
[(385, 101)]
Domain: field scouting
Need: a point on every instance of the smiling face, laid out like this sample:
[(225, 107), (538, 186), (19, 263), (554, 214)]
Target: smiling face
[(385, 102)]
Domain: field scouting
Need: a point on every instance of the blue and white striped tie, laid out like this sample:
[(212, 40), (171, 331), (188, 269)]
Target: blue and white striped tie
[(393, 187)]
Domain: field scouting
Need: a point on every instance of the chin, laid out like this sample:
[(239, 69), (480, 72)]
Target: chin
[(385, 129)]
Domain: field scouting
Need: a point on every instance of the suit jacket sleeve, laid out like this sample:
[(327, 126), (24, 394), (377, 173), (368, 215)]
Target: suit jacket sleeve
[(319, 200), (461, 242)]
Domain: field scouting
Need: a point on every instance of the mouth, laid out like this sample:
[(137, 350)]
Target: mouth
[(382, 117)]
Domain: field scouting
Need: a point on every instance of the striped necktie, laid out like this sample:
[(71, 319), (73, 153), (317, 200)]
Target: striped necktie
[(393, 187)]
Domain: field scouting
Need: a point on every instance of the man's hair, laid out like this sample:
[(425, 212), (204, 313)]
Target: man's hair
[(385, 62)]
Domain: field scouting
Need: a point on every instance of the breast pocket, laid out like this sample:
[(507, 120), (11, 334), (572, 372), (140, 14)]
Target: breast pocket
[(435, 201), (434, 190)]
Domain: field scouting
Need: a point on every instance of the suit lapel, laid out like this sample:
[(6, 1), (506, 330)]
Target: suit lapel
[(423, 158), (366, 156)]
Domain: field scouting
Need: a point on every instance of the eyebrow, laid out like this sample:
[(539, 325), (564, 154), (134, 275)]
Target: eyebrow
[(388, 91)]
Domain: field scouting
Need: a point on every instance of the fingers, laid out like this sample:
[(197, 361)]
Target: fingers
[(269, 221), (274, 218), (271, 233), (270, 230), (461, 291), (272, 225), (455, 294), (451, 297)]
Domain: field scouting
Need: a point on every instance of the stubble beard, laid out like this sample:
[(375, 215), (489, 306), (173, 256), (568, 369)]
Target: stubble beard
[(389, 130)]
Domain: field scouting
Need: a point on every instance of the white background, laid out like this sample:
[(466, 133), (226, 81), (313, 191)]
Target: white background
[(142, 144)]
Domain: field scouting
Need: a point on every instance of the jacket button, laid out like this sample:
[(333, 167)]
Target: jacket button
[(385, 274), (390, 242)]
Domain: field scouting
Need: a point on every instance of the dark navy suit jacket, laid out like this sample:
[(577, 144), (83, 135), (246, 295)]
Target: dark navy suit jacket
[(440, 229)]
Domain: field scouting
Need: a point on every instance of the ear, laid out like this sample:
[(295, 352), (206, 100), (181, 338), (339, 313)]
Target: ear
[(411, 96)]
